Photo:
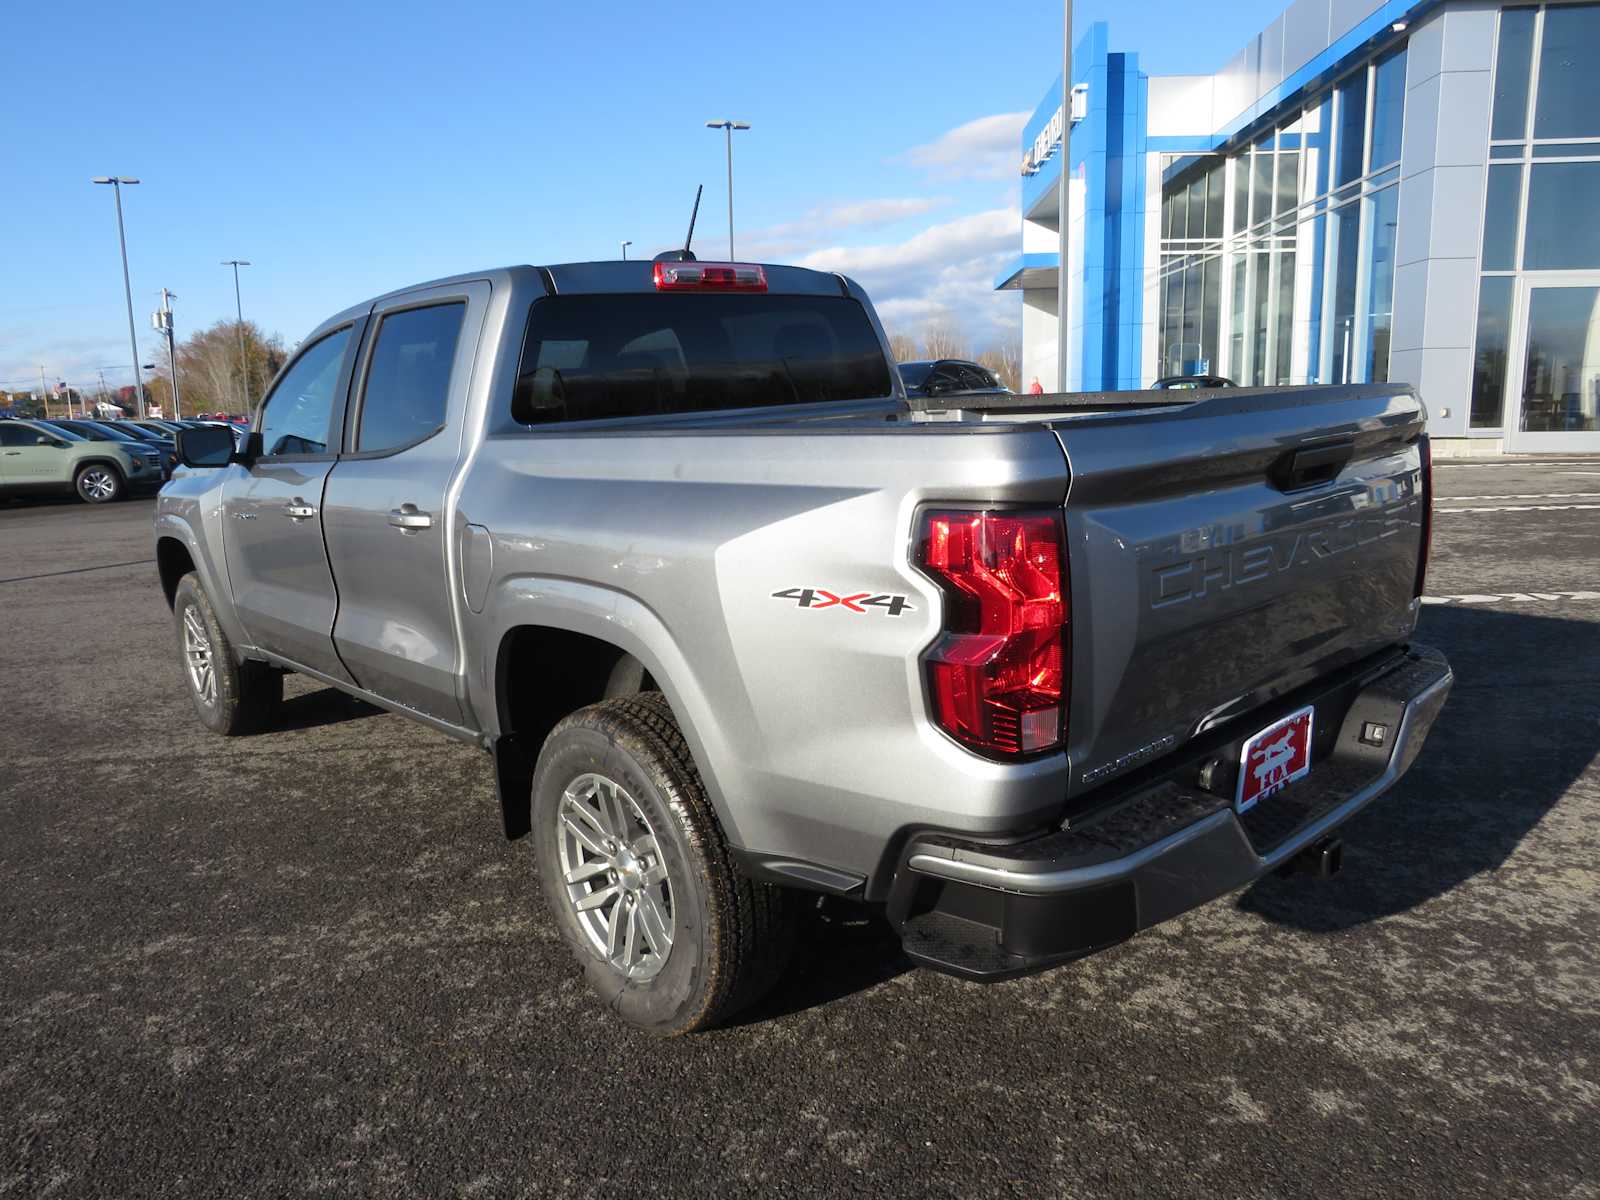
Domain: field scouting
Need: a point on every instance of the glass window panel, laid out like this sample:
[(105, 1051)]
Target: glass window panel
[(1500, 218), (1561, 382), (1565, 150), (1512, 57), (1241, 191), (1318, 231), (1197, 207), (1210, 302), (1388, 107), (1513, 151), (408, 379), (1562, 233), (1489, 359), (1288, 177), (1283, 318), (1171, 319), (1383, 210), (1314, 130), (1344, 233), (1191, 320), (1569, 86), (1236, 343), (296, 416), (1352, 97), (1261, 181), (1258, 322), (1214, 202)]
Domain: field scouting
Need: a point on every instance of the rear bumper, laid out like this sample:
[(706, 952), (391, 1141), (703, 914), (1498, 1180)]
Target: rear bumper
[(991, 911)]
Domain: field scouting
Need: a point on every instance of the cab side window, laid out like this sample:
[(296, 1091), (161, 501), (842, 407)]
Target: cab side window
[(17, 435), (407, 393), (298, 414)]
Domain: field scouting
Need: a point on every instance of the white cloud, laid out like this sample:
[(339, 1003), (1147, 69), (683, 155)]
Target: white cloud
[(988, 148), (944, 273), (828, 220)]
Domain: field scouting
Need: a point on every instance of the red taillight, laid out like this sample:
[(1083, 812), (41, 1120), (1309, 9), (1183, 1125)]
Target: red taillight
[(998, 675), (709, 277), (1427, 513)]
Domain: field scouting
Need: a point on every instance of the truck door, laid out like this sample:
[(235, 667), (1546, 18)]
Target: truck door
[(272, 536), (386, 510)]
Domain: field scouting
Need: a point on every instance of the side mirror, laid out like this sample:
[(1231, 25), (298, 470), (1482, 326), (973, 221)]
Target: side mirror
[(205, 446), (45, 439)]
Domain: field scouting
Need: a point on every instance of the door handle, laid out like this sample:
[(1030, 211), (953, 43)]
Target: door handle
[(13, 453), (408, 518), (298, 510)]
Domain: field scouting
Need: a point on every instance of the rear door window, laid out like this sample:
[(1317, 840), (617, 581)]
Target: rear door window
[(594, 356), (407, 394)]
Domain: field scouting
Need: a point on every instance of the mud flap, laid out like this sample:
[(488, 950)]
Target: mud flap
[(513, 780)]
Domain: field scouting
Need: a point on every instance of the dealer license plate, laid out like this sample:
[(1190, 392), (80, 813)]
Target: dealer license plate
[(1274, 758)]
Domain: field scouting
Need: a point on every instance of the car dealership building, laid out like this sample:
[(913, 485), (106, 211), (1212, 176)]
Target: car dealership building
[(1366, 192)]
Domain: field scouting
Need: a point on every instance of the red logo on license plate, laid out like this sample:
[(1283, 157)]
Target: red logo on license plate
[(1274, 758)]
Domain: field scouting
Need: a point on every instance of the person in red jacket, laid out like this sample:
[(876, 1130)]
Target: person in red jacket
[(1036, 388)]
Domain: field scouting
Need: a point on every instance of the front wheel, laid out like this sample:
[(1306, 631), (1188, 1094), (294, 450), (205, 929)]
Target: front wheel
[(98, 483), (633, 863), (230, 697)]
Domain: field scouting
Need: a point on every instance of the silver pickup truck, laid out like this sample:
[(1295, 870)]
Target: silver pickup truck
[(737, 621)]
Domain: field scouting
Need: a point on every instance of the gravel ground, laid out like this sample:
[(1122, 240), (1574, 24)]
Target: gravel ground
[(307, 961)]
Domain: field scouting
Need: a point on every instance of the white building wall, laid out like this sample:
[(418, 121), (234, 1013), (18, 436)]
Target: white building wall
[(1442, 179)]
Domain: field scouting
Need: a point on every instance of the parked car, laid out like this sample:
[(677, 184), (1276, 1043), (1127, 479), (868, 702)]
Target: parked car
[(165, 449), (736, 620), (37, 457), (1180, 383), (949, 377)]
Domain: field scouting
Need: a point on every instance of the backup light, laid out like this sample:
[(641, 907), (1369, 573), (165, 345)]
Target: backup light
[(709, 277), (997, 677)]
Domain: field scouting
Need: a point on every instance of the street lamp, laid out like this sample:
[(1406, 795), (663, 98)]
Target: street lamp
[(238, 307), (728, 127), (1063, 210), (117, 182), (625, 246)]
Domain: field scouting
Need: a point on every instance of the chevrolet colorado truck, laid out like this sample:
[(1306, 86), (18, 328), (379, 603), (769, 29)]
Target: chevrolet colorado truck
[(738, 621)]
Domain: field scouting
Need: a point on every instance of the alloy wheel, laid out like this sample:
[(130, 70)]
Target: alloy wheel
[(198, 658), (615, 879), (98, 484)]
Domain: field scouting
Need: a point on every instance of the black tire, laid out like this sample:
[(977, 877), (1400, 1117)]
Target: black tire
[(245, 694), (98, 483), (731, 937)]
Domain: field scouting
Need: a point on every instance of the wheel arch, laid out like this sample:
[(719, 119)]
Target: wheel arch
[(601, 644)]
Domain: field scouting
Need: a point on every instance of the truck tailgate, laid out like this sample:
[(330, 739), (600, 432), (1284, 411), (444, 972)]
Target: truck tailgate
[(1226, 552)]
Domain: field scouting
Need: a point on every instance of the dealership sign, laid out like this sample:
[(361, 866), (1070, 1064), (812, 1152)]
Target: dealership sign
[(1048, 140)]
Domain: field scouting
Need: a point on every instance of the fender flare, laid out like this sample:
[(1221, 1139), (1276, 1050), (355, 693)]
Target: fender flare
[(618, 619)]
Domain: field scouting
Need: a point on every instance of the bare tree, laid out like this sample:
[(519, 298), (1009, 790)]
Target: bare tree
[(208, 363), (944, 340), (903, 348), (1004, 358)]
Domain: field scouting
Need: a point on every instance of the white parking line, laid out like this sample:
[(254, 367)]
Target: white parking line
[(1513, 598), (1517, 508), (1524, 496)]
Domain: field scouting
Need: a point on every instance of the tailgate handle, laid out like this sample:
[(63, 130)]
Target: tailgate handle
[(1311, 465)]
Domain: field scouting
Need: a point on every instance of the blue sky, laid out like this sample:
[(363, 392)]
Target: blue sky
[(346, 148)]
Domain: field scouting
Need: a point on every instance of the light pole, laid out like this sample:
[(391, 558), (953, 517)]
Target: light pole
[(625, 246), (728, 127), (117, 182), (238, 307), (1063, 337)]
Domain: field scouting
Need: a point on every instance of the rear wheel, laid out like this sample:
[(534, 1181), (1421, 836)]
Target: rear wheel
[(230, 697), (634, 864), (98, 483)]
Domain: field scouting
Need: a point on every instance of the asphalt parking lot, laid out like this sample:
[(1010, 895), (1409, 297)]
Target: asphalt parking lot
[(307, 961)]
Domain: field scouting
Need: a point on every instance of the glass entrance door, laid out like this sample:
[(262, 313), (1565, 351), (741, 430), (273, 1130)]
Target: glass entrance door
[(1557, 374)]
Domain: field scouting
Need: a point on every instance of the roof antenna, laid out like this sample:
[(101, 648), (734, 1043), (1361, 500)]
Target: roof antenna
[(686, 254)]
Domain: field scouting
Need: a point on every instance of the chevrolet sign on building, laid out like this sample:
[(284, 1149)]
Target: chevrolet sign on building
[(1367, 191)]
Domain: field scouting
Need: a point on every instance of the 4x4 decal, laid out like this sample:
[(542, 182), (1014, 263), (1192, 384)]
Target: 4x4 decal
[(856, 602)]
